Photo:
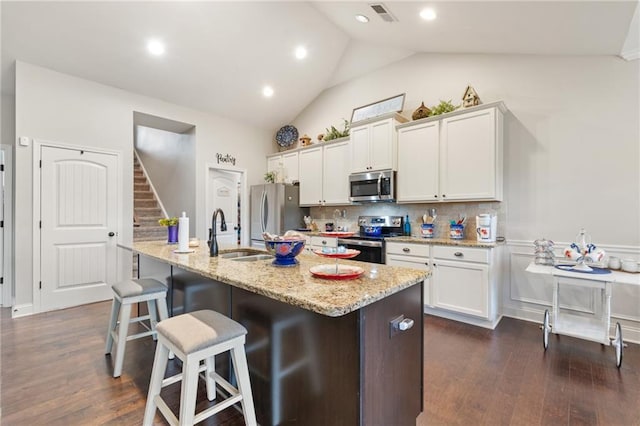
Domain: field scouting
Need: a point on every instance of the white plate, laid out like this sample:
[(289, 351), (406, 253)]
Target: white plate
[(184, 252)]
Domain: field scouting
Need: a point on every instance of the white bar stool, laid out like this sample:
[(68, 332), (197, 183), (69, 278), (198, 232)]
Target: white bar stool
[(125, 294), (195, 337)]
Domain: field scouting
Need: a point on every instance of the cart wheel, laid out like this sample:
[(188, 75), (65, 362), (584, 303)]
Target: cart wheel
[(546, 328), (617, 342)]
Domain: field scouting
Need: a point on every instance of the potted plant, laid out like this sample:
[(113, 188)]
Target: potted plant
[(172, 225)]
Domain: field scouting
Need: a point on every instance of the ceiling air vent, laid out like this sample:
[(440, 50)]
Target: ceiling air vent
[(382, 12)]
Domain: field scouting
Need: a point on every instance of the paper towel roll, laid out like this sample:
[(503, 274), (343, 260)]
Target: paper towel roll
[(183, 232)]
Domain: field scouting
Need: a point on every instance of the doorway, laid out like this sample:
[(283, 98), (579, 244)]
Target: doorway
[(77, 203), (226, 190)]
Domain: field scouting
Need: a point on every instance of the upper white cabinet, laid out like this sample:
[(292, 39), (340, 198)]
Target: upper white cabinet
[(374, 144), (285, 165), (418, 160), (324, 174), (457, 157)]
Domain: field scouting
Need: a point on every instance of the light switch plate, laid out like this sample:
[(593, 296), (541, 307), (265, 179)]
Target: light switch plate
[(24, 141)]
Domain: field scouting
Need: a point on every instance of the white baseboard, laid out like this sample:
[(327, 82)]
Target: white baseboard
[(462, 318), (22, 310)]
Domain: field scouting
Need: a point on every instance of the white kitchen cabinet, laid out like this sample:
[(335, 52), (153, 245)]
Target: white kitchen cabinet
[(316, 242), (335, 176), (374, 144), (311, 176), (456, 157), (471, 156), (418, 161), (324, 175), (286, 165), (411, 256), (464, 282)]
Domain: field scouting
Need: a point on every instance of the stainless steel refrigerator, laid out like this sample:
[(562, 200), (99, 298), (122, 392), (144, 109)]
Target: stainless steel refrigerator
[(275, 209)]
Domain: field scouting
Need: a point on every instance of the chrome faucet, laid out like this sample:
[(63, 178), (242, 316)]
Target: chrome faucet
[(213, 247)]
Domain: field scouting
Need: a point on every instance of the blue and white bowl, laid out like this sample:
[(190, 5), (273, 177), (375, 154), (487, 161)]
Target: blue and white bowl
[(285, 251)]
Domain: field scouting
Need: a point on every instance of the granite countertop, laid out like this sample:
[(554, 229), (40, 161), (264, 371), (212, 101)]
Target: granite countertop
[(293, 285), (441, 241)]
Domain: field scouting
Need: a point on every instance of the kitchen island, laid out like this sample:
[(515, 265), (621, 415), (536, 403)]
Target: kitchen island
[(320, 352)]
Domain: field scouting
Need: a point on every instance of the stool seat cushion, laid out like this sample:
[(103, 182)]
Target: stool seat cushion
[(198, 330), (130, 288)]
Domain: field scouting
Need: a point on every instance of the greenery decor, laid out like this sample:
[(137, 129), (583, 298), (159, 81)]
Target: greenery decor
[(334, 133), (168, 221), (443, 107), (270, 177)]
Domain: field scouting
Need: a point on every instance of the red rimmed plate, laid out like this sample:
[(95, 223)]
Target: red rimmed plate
[(336, 272), (347, 254), (343, 234)]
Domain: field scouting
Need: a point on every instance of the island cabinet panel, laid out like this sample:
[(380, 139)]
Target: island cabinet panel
[(392, 361), (303, 366)]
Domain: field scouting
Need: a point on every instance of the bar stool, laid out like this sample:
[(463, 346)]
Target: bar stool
[(195, 337), (125, 294)]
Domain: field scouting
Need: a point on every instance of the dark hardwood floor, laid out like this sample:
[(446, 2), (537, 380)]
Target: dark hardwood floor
[(54, 372)]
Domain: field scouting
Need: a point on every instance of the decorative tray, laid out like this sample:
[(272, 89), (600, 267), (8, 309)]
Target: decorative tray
[(347, 254), (594, 269), (336, 272), (343, 234)]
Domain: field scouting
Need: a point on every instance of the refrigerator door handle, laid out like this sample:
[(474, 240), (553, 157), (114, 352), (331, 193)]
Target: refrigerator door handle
[(263, 211)]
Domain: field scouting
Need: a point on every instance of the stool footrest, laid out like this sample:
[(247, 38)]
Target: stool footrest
[(139, 335), (216, 408)]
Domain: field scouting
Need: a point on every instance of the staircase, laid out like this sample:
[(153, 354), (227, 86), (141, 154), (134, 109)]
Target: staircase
[(146, 212)]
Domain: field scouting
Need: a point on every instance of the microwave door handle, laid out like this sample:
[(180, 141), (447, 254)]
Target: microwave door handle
[(380, 185)]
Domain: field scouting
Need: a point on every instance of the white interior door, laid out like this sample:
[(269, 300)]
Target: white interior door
[(224, 193), (78, 213)]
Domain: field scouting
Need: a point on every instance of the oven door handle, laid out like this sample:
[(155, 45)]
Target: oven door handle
[(360, 243)]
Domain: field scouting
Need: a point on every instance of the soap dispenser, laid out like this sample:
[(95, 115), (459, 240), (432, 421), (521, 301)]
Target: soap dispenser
[(407, 226)]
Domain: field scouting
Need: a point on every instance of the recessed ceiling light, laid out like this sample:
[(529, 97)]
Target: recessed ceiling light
[(155, 47), (301, 52), (428, 14), (267, 91), (362, 18)]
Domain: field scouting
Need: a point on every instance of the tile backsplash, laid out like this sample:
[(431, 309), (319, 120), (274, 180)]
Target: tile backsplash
[(445, 213)]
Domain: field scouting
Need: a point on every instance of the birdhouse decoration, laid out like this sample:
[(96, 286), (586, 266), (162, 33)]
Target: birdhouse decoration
[(421, 112), (470, 98), (305, 140)]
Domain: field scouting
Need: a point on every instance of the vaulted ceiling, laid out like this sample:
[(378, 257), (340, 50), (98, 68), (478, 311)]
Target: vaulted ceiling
[(219, 55)]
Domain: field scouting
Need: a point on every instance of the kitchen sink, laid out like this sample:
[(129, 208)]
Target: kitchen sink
[(232, 254), (252, 258)]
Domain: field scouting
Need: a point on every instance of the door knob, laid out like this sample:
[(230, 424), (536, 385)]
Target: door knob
[(111, 234)]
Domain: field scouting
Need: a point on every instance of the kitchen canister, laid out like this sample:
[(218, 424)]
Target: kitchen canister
[(427, 230), (456, 231)]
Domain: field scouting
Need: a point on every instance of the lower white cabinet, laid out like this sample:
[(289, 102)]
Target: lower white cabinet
[(461, 287), (315, 242), (411, 256), (464, 282)]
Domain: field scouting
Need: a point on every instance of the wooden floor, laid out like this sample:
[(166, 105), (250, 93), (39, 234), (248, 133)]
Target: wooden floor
[(54, 372)]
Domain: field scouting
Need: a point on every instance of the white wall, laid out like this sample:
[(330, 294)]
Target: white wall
[(7, 126), (571, 136), (168, 159), (61, 108)]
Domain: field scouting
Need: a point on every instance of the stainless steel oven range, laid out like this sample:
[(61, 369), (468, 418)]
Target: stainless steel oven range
[(370, 239)]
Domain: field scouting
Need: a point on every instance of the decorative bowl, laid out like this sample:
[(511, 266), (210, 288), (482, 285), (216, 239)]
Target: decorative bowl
[(285, 251)]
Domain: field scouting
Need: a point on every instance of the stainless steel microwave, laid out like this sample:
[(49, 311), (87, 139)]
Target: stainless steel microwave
[(373, 186)]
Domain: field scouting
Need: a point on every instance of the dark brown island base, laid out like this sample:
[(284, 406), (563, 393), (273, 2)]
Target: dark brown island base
[(320, 352)]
